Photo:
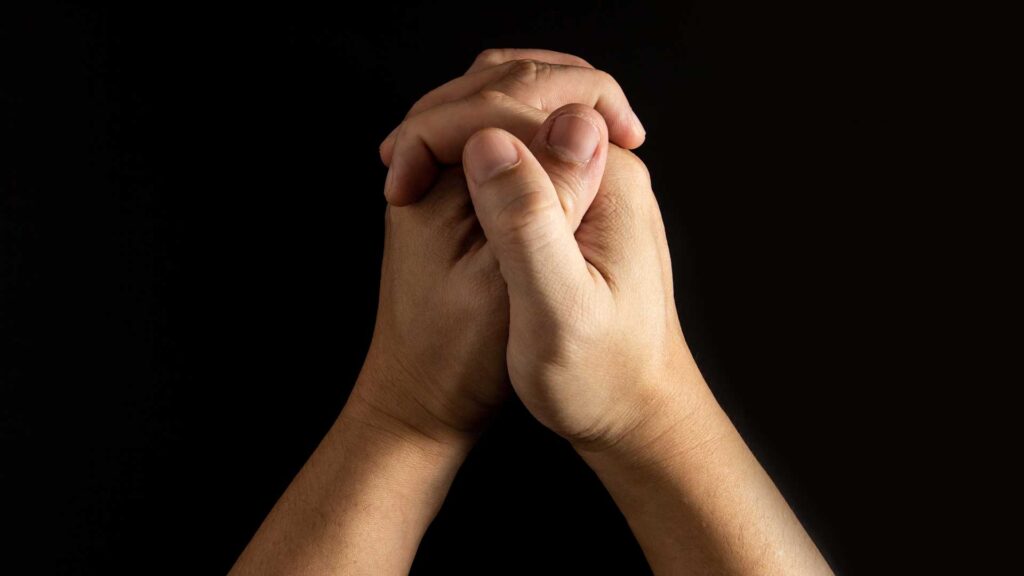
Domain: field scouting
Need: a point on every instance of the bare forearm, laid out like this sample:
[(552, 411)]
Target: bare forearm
[(699, 502), (361, 503)]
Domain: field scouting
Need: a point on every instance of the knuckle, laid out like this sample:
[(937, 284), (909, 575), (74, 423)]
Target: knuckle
[(526, 71), (399, 129), (580, 61), (626, 206), (571, 183), (632, 167), (419, 104), (526, 218), (492, 97), (523, 70), (488, 56), (606, 78)]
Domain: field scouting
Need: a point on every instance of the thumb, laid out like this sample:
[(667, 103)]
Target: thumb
[(522, 217), (572, 146)]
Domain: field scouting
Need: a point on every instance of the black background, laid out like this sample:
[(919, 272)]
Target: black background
[(191, 237)]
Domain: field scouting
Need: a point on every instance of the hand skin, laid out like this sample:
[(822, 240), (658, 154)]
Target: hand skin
[(434, 373), (695, 497), (510, 89), (596, 352), (362, 502), (438, 350)]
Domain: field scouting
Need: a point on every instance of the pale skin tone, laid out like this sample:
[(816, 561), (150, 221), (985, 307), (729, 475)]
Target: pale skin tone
[(537, 265)]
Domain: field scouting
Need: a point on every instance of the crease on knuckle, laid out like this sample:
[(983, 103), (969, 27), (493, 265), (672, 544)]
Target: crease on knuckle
[(569, 183), (523, 219), (493, 97), (527, 72)]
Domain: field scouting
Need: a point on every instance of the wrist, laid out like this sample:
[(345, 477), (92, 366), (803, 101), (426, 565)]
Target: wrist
[(372, 484), (675, 414), (383, 402), (410, 469)]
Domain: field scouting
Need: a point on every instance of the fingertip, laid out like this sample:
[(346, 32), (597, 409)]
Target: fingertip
[(387, 146), (638, 140), (626, 137), (394, 192), (399, 196), (582, 110), (399, 202), (558, 135), (410, 180), (412, 170), (489, 152), (638, 126), (637, 130), (389, 193), (625, 129)]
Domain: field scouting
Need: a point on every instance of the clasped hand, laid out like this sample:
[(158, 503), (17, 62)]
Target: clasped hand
[(525, 252), (528, 267)]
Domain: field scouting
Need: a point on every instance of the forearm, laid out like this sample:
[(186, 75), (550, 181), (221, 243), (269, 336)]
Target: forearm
[(697, 499), (361, 503)]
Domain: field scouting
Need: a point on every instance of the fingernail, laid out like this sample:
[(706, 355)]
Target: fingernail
[(491, 152), (636, 120), (574, 138)]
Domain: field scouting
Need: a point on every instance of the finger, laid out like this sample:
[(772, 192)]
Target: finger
[(518, 208), (572, 146), (436, 137), (495, 56), (546, 87), (459, 88), (623, 222), (478, 76)]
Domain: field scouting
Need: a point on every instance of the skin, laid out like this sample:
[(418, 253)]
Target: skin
[(597, 354), (362, 502), (544, 266), (510, 89)]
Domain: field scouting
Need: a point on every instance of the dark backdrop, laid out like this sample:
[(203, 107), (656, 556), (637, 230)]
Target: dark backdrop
[(191, 231)]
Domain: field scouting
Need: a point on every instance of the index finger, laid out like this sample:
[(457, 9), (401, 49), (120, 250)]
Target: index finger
[(496, 56)]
